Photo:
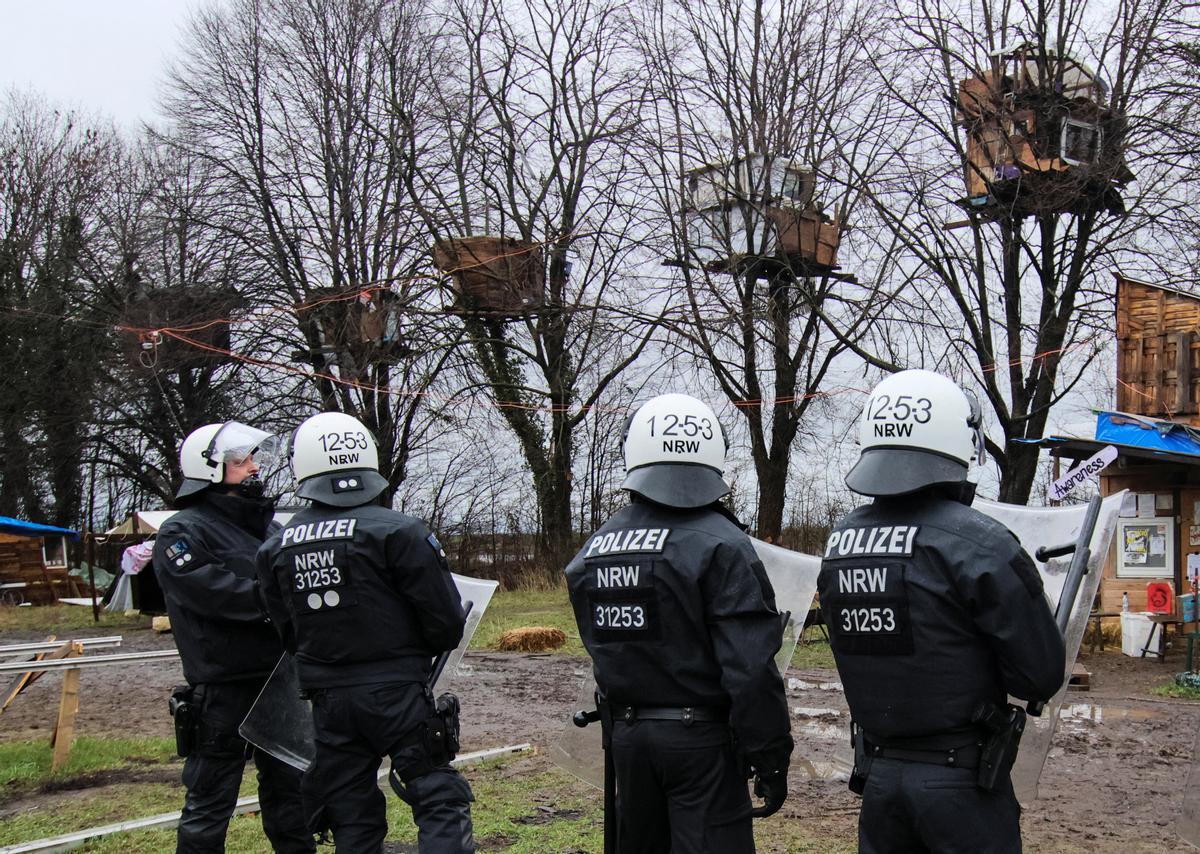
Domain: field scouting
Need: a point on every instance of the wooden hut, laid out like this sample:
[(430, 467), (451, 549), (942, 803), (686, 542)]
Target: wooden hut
[(755, 215), (365, 323), (199, 314), (33, 562), (1156, 432), (496, 277), (1041, 136)]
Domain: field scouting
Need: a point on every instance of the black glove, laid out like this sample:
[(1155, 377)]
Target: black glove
[(771, 786)]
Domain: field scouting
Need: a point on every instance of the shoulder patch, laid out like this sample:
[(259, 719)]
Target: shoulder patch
[(176, 549), (435, 545)]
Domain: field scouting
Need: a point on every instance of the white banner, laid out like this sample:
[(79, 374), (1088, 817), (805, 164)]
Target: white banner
[(1091, 466)]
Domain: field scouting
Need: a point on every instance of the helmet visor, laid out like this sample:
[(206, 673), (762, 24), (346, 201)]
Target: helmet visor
[(235, 442), (899, 471)]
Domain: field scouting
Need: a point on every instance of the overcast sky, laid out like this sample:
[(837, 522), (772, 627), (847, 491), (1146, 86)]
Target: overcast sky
[(104, 56)]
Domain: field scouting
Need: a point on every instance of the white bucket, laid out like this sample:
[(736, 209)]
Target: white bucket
[(1135, 630)]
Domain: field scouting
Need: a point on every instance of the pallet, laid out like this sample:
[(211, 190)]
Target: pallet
[(1081, 678)]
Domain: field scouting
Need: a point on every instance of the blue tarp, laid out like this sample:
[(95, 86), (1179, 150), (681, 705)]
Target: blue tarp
[(1120, 428), (22, 528)]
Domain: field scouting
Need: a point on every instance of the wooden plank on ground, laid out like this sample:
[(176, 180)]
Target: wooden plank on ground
[(1081, 678)]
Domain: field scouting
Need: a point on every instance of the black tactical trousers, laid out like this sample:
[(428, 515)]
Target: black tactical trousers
[(356, 725), (212, 774), (679, 789), (916, 808)]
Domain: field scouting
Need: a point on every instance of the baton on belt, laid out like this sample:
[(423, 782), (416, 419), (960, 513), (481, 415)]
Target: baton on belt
[(1081, 553)]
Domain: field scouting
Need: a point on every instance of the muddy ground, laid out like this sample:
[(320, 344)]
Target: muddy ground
[(1114, 780)]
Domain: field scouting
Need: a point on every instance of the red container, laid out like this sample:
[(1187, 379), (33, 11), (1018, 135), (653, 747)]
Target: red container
[(1160, 597)]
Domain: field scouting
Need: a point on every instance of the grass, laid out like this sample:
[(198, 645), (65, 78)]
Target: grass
[(517, 608), (523, 805), (1178, 692), (63, 619), (25, 765), (814, 654)]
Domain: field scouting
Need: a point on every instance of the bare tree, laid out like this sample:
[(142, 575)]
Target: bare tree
[(52, 172), (536, 149), (769, 125), (162, 258), (296, 106), (1045, 114)]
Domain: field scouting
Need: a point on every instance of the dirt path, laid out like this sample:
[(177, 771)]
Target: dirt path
[(1113, 782)]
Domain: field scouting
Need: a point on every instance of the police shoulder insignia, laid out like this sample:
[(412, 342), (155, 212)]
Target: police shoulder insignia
[(177, 549), (435, 545)]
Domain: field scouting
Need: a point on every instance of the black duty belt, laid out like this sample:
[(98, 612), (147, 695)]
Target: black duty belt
[(686, 715), (962, 756)]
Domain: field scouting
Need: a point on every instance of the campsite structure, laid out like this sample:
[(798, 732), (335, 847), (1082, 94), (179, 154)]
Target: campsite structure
[(33, 562), (494, 277), (1041, 136), (755, 215)]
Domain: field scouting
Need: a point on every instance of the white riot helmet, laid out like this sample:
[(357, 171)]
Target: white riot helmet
[(203, 454), (917, 429), (335, 461), (675, 452)]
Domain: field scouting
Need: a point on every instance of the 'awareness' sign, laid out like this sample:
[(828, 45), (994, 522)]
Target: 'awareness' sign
[(1091, 466)]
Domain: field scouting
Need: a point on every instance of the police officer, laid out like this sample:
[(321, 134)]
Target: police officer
[(679, 618), (936, 614), (364, 598), (204, 561)]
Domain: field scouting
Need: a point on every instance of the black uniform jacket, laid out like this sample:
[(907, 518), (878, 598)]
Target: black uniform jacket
[(204, 561), (360, 595), (933, 608), (676, 610)]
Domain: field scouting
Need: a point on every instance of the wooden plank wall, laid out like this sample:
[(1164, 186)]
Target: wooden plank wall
[(1158, 345), (21, 561)]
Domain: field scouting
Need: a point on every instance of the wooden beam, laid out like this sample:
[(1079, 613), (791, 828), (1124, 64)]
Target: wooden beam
[(68, 707), (1182, 367)]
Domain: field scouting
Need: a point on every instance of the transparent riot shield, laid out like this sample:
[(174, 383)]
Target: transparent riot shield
[(793, 575), (1052, 526), (280, 721)]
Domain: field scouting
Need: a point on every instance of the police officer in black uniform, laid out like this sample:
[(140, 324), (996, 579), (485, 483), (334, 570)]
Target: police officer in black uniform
[(936, 614), (364, 598), (679, 618), (204, 562)]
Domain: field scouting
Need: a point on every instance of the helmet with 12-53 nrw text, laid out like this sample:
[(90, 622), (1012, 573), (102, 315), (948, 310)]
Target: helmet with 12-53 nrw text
[(918, 429), (675, 452), (335, 461)]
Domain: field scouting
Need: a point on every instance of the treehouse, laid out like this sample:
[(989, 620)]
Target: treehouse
[(495, 277), (364, 323), (755, 215), (1041, 137), (181, 327)]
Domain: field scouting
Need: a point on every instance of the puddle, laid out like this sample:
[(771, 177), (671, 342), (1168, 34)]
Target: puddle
[(822, 770), (812, 712), (1089, 714), (825, 724), (802, 685)]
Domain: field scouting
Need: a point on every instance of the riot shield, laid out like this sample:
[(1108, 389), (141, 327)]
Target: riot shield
[(793, 575), (280, 721), (1051, 526)]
